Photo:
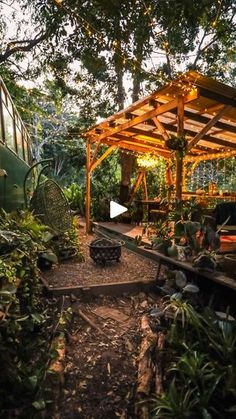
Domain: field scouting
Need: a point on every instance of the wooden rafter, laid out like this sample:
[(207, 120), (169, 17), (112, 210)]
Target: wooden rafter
[(196, 117), (166, 107), (101, 158), (189, 132), (136, 185), (212, 156), (161, 128), (138, 147), (134, 139), (208, 126), (95, 153), (145, 126)]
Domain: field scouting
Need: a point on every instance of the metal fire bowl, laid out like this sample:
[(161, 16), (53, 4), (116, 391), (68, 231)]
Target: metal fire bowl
[(105, 250)]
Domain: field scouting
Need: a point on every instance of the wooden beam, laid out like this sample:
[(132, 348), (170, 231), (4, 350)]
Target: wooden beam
[(136, 105), (101, 158), (166, 107), (134, 140), (219, 141), (209, 138), (208, 126), (88, 186), (145, 186), (138, 147), (196, 117), (229, 101), (179, 157), (95, 153), (169, 181), (161, 128), (213, 156), (136, 186)]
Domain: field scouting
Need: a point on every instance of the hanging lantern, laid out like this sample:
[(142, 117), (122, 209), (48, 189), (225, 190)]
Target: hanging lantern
[(148, 161)]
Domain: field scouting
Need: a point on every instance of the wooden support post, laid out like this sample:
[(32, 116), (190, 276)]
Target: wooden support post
[(169, 181), (145, 186), (88, 186), (96, 163), (184, 176), (136, 186), (179, 157), (192, 168)]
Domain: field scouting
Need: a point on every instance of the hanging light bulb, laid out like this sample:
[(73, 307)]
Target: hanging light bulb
[(148, 161)]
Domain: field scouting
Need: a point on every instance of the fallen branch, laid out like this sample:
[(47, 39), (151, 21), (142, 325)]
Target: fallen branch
[(90, 322), (145, 367), (159, 368)]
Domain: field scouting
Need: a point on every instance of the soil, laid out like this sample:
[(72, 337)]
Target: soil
[(131, 267), (101, 362), (101, 369)]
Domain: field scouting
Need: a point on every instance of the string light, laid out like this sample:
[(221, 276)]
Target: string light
[(148, 161)]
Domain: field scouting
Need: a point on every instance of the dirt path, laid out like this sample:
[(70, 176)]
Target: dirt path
[(100, 370)]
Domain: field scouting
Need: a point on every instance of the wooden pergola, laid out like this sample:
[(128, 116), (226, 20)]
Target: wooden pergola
[(195, 106)]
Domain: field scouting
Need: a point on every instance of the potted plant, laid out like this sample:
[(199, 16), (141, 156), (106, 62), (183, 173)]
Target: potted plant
[(162, 239), (177, 143)]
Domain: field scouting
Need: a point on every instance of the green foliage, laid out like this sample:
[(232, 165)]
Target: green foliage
[(200, 377), (67, 245), (175, 403), (25, 324), (76, 197), (105, 187)]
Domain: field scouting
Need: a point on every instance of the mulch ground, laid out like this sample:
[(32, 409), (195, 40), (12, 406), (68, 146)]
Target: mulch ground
[(101, 368), (131, 267), (101, 362)]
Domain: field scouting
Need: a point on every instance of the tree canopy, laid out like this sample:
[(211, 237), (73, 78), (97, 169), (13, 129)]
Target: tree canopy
[(97, 55)]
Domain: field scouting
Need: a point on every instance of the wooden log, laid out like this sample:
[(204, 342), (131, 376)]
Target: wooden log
[(145, 365), (159, 367), (90, 322)]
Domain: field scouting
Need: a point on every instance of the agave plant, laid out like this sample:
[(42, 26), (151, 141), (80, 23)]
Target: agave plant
[(175, 403), (183, 311)]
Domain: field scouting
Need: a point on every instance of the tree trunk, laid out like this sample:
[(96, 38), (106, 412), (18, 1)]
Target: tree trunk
[(127, 162)]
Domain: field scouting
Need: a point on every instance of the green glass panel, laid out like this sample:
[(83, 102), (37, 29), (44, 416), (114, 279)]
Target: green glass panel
[(8, 126)]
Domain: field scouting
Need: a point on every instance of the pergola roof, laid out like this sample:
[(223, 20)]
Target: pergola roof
[(209, 120)]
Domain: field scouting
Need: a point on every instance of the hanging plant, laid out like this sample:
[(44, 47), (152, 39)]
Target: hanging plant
[(177, 143)]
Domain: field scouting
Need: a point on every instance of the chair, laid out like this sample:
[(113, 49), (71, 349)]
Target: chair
[(224, 211)]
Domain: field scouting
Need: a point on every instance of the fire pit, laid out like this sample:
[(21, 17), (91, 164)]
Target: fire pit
[(105, 250)]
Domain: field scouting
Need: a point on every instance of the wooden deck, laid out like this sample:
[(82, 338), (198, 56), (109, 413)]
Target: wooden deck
[(129, 232), (126, 230)]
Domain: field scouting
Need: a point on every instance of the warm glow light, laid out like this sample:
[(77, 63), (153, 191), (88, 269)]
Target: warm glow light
[(148, 161)]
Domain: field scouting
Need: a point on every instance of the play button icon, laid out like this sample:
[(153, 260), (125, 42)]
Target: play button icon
[(116, 209)]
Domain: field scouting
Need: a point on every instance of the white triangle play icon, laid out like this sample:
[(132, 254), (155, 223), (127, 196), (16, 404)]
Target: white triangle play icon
[(116, 209)]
